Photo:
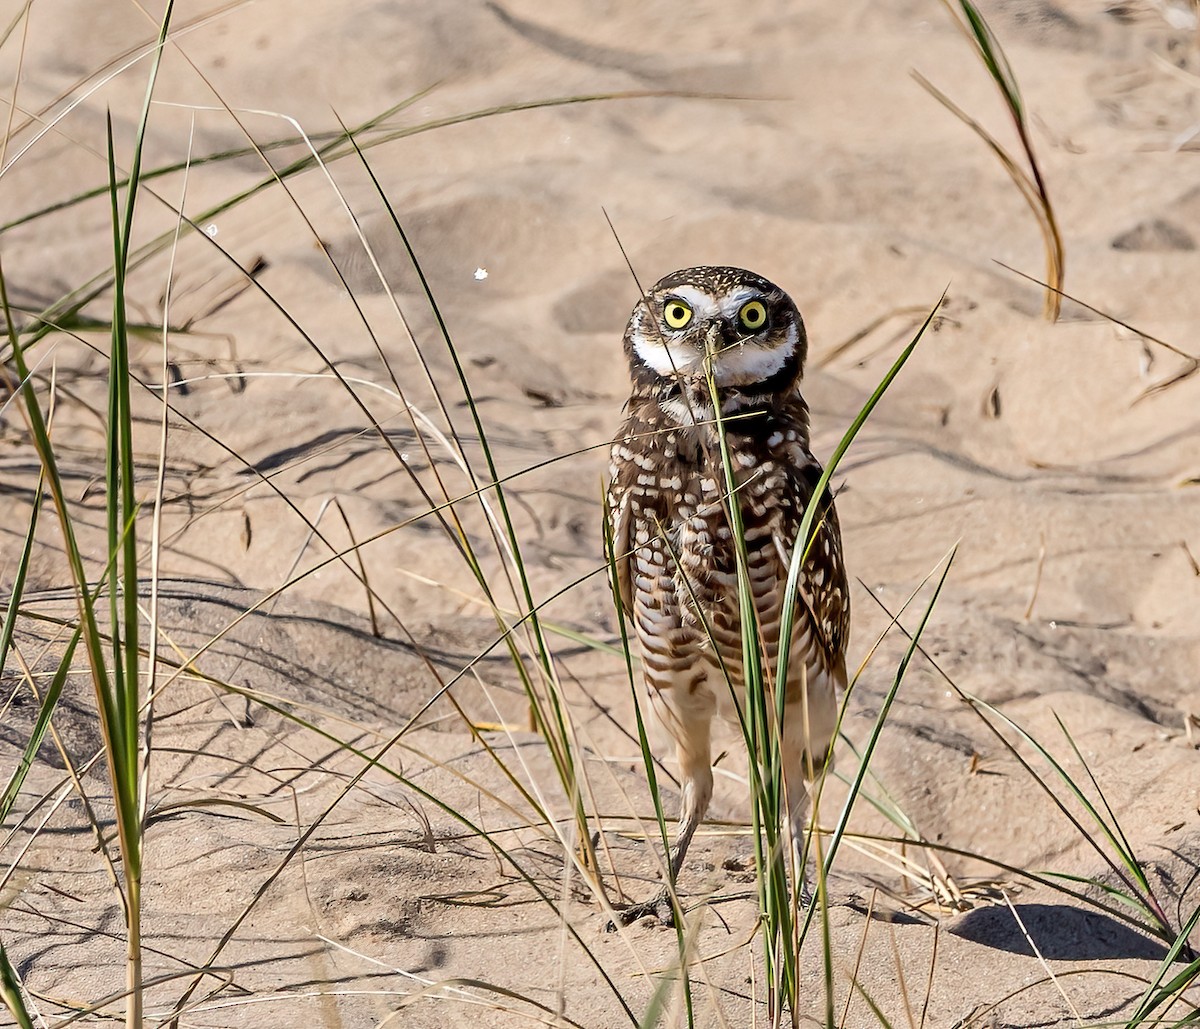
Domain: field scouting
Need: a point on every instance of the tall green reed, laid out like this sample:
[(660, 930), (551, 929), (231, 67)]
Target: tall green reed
[(116, 684), (762, 716)]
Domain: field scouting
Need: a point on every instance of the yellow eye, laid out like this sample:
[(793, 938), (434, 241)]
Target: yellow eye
[(676, 314), (753, 316)]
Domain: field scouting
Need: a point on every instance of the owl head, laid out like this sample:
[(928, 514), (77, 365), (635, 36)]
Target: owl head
[(725, 322)]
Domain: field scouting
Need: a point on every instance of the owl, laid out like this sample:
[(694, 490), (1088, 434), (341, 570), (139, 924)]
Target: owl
[(726, 331)]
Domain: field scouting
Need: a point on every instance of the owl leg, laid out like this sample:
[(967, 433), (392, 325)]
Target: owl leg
[(796, 787), (693, 750), (687, 712), (807, 751)]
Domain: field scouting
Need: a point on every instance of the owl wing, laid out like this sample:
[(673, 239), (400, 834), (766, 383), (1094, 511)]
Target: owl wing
[(823, 588), (619, 514)]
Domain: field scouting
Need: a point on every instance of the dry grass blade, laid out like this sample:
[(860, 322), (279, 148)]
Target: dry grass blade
[(95, 80), (868, 922), (17, 17), (157, 510), (1037, 953), (372, 762), (1192, 362), (932, 971), (1027, 178)]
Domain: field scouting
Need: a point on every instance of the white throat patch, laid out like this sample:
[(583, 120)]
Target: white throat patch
[(744, 363), (667, 358)]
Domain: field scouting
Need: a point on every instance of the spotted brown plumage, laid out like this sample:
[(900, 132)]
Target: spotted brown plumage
[(672, 538)]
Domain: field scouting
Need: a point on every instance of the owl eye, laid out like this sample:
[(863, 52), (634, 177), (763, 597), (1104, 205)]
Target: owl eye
[(753, 316), (676, 314)]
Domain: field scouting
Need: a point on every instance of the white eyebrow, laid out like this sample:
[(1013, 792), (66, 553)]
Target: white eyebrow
[(702, 305), (731, 304)]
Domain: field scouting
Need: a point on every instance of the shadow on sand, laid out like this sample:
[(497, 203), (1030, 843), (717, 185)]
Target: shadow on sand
[(1061, 933)]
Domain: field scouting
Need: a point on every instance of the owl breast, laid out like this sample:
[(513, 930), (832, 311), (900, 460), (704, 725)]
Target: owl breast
[(678, 571)]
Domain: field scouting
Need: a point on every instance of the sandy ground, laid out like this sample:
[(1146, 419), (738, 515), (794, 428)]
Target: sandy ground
[(1067, 484)]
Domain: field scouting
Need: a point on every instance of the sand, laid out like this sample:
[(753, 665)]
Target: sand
[(1041, 454)]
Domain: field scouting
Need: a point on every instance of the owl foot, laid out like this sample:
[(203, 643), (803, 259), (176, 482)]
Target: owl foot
[(806, 894), (659, 906)]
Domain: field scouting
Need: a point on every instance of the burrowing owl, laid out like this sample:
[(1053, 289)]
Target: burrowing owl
[(672, 537)]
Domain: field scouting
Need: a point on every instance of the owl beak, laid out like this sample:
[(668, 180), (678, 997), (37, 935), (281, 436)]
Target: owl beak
[(714, 341)]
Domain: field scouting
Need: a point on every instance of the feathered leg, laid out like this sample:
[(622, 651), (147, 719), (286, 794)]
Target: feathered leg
[(809, 720), (687, 712)]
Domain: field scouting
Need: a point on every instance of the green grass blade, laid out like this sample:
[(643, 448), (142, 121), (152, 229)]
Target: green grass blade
[(40, 435), (994, 58), (115, 725), (1127, 860), (869, 749), (1131, 900), (45, 712), (1120, 842), (1157, 995), (119, 698), (763, 716), (658, 1004), (876, 1010), (70, 305), (10, 991), (67, 308), (13, 787), (643, 738), (18, 586), (1118, 838), (332, 141), (1159, 926), (806, 533)]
